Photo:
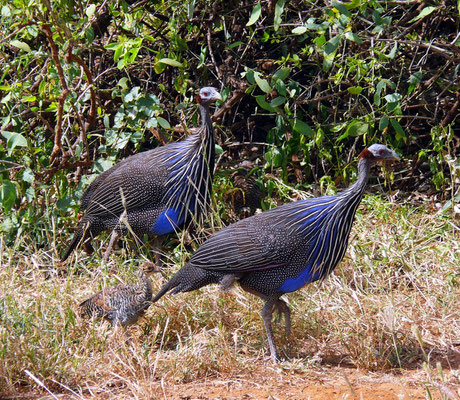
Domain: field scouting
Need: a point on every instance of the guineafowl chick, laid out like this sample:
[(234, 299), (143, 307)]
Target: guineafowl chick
[(123, 304), (247, 196)]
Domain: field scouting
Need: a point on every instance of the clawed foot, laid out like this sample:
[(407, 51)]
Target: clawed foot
[(282, 309)]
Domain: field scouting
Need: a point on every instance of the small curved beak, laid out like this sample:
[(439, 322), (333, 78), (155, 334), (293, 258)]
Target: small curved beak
[(217, 96), (394, 156)]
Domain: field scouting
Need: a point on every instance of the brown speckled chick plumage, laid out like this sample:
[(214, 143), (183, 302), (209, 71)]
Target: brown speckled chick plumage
[(123, 304)]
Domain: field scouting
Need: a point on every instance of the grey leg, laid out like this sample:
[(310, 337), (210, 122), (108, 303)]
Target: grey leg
[(157, 242), (228, 280), (267, 312), (271, 302), (113, 239)]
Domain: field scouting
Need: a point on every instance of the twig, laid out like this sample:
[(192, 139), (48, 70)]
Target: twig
[(452, 113), (229, 104), (211, 53), (16, 31), (92, 112), (65, 92), (318, 99), (39, 383)]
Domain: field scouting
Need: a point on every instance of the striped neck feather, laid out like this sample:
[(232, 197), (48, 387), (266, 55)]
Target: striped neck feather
[(309, 215), (191, 166)]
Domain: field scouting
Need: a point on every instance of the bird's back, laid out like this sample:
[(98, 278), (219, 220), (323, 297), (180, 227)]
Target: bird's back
[(281, 249), (147, 168), (121, 303)]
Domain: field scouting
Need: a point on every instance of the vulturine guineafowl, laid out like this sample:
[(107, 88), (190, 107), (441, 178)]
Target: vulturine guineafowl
[(123, 304), (154, 192), (280, 250)]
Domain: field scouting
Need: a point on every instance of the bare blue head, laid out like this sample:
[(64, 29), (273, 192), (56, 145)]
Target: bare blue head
[(208, 95), (378, 152)]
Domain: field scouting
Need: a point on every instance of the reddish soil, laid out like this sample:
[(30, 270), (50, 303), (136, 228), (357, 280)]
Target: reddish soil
[(272, 383), (329, 384)]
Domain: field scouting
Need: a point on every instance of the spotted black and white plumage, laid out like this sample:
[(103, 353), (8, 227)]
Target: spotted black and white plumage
[(123, 304), (282, 249), (154, 192)]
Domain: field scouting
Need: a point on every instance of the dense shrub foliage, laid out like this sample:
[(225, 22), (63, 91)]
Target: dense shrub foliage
[(308, 82)]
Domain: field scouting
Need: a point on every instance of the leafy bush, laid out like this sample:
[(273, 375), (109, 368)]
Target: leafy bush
[(86, 85)]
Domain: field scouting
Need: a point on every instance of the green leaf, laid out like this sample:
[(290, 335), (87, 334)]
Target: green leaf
[(20, 45), (332, 44), (255, 14), (89, 34), (14, 140), (262, 83), (338, 127), (355, 89), (300, 30), (282, 74), (426, 11), (159, 67), (6, 12), (278, 12), (277, 158), (341, 7), (278, 101), (163, 123), (236, 44), (133, 54), (392, 53), (356, 128), (151, 123), (353, 37), (123, 83), (7, 195), (416, 77), (112, 46), (118, 53), (400, 134), (280, 87), (102, 164), (328, 62), (262, 103), (383, 123), (380, 86), (219, 150), (170, 61), (303, 128), (393, 97), (320, 40), (90, 10), (28, 175)]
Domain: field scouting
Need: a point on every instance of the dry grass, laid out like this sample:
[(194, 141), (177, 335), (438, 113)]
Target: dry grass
[(392, 305)]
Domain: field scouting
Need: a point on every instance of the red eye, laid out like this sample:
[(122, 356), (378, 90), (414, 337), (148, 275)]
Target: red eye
[(205, 94), (381, 152)]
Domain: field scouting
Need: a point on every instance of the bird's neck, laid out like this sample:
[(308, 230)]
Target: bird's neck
[(357, 188), (206, 123), (146, 286)]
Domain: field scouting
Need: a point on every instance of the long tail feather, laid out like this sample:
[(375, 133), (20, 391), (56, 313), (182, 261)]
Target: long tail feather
[(77, 238), (171, 284)]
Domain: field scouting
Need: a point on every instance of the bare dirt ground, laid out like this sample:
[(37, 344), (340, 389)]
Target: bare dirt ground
[(330, 383), (272, 383)]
